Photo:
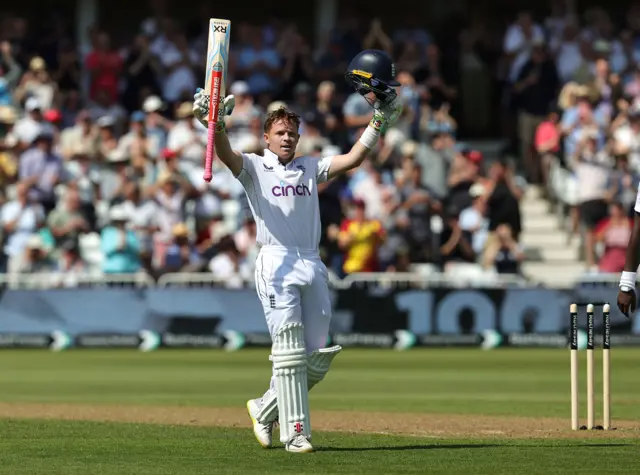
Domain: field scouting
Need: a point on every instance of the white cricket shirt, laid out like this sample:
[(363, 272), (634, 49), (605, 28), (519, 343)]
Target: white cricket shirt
[(284, 198)]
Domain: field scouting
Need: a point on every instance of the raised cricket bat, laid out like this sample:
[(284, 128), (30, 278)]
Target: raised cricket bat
[(215, 81)]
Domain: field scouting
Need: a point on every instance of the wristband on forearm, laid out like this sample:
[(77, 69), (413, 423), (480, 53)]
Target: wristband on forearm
[(370, 136), (628, 281)]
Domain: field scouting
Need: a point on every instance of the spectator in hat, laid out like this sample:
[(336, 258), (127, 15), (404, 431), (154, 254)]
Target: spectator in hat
[(120, 245), (28, 127), (20, 219), (137, 142), (187, 138), (156, 124), (42, 169), (107, 140), (115, 175), (81, 135), (182, 255), (473, 220), (36, 259), (37, 82)]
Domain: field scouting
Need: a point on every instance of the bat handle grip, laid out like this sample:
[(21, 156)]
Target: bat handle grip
[(211, 143)]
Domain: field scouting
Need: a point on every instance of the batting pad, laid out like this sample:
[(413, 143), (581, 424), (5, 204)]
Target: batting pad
[(290, 373), (318, 364)]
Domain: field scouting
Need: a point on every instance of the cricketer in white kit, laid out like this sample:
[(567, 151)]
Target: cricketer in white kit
[(291, 280)]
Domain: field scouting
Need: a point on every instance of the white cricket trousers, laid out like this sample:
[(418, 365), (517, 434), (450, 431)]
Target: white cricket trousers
[(293, 286)]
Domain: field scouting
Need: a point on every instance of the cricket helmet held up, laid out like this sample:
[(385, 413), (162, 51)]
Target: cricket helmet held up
[(373, 71)]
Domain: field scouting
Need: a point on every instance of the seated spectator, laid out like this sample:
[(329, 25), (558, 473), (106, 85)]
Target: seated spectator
[(67, 222), (120, 246), (455, 246), (360, 238), (503, 254), (71, 268), (36, 259), (613, 234), (473, 219), (20, 219), (227, 266), (42, 168), (182, 255)]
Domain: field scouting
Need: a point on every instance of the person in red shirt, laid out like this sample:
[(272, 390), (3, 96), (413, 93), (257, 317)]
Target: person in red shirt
[(105, 66), (547, 143), (360, 238)]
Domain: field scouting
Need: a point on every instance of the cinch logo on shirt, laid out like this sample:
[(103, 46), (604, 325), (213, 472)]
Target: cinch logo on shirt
[(290, 190)]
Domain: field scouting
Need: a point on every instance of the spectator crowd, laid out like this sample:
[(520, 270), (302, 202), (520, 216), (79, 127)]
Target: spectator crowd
[(101, 158)]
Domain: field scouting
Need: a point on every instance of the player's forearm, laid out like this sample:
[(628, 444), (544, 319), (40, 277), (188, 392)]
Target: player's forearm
[(631, 260), (231, 159)]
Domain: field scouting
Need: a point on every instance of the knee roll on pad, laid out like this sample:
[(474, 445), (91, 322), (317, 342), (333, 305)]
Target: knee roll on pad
[(289, 358)]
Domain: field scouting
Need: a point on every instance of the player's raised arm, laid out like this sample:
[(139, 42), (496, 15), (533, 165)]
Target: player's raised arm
[(382, 118), (231, 158), (371, 73)]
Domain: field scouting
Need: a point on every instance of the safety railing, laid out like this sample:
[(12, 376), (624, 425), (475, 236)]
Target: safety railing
[(58, 280), (196, 279)]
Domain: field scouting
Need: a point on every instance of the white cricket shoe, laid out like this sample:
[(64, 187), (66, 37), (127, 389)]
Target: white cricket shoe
[(263, 432), (298, 444)]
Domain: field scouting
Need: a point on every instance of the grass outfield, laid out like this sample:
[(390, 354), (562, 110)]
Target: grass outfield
[(378, 411)]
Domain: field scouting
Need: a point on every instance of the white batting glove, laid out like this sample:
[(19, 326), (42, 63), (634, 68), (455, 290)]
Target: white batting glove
[(201, 107)]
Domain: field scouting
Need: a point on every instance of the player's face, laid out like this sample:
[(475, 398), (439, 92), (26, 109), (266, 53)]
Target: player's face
[(282, 139)]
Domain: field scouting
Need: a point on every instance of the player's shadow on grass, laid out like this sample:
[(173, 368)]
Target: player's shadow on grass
[(459, 446)]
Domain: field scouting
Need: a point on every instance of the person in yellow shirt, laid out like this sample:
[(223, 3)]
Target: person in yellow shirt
[(360, 239)]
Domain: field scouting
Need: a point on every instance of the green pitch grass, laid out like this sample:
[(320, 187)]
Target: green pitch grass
[(443, 383)]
